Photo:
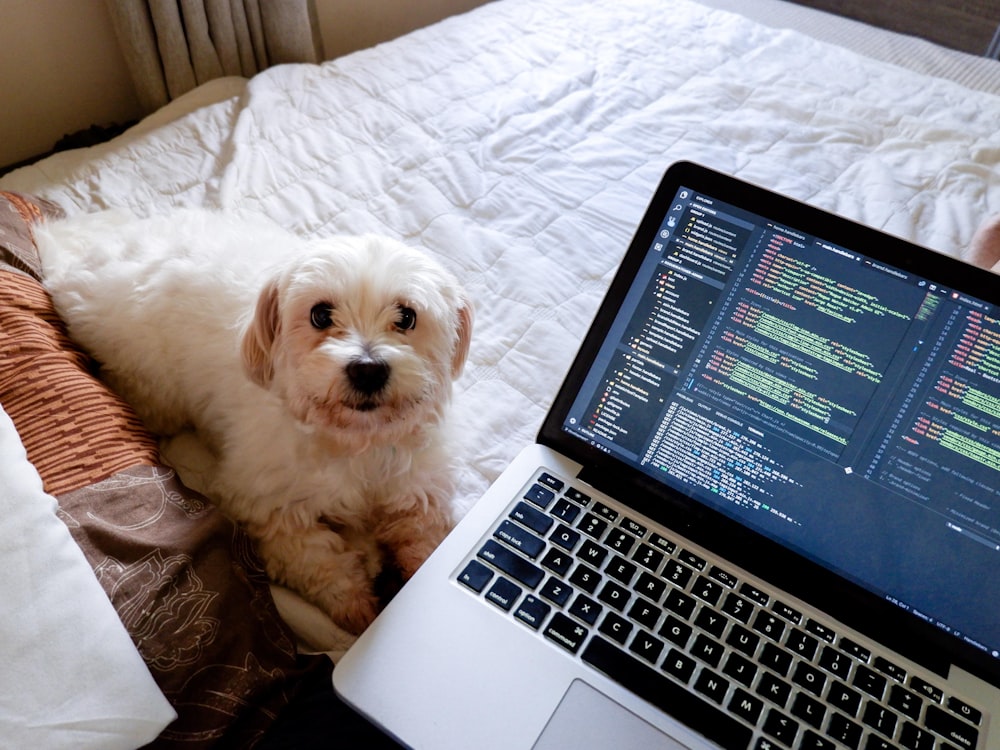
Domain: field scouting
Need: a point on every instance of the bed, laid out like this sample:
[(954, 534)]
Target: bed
[(519, 143)]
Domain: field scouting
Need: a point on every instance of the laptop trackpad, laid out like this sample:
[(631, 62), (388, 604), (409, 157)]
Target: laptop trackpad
[(586, 718)]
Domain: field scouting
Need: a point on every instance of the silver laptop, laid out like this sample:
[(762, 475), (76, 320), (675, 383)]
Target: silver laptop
[(761, 513)]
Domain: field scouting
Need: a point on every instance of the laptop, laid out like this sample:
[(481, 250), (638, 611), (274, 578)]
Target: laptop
[(761, 513)]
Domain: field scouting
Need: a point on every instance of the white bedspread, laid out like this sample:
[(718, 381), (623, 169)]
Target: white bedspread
[(521, 143)]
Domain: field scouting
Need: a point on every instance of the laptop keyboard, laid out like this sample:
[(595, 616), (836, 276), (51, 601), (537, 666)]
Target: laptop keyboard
[(727, 658)]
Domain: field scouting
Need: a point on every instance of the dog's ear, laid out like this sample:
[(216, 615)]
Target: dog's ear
[(258, 340), (464, 338)]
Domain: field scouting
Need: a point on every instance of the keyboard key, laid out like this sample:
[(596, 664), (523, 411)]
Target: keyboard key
[(775, 690), (578, 497), (738, 608), (842, 697), (614, 595), (907, 703), (856, 650), (707, 590), (754, 594), (644, 613), (511, 563), (520, 539), (619, 541), (503, 593), (711, 685), (557, 560), (951, 727), (633, 527), (605, 511), (533, 518), (475, 576), (565, 511), (540, 496), (869, 682), (616, 627), (769, 625), (874, 742), (708, 650), (915, 738), (743, 640), (650, 586), (679, 603), (789, 613), (646, 646), (532, 611), (776, 659), (679, 665), (691, 559), (565, 537), (662, 543), (746, 706), (802, 644), (592, 526), (845, 731), (879, 718), (781, 727), (586, 578), (835, 661), (566, 632), (926, 689), (697, 713), (964, 710), (812, 741), (621, 570), (556, 591), (648, 557), (550, 481), (810, 710), (711, 622), (740, 669), (886, 667), (724, 577), (821, 631), (677, 574), (586, 609), (676, 631), (592, 554), (808, 677)]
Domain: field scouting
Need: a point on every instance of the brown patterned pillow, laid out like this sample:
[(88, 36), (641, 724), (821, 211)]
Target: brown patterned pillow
[(185, 582)]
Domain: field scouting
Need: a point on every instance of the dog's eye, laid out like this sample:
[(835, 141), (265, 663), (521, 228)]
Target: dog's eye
[(407, 319), (321, 316)]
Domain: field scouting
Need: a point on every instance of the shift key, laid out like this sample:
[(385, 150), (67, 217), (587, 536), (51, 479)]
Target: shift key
[(511, 563)]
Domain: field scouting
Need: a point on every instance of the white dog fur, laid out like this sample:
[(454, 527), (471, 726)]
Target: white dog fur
[(300, 385)]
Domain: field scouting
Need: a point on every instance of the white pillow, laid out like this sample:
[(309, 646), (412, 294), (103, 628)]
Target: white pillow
[(70, 676)]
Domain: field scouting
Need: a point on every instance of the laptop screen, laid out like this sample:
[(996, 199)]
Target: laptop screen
[(814, 381)]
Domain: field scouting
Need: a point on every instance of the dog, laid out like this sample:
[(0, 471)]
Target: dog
[(301, 385)]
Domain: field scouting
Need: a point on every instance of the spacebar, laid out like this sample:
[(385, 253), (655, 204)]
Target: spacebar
[(666, 694)]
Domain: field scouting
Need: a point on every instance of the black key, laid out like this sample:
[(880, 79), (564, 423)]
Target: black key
[(550, 481), (644, 613), (661, 542), (802, 644), (621, 569), (954, 729), (869, 682), (565, 537), (789, 613), (619, 541), (586, 609), (746, 706), (874, 742), (614, 595), (564, 510), (676, 573), (503, 593), (605, 512), (845, 731), (707, 590), (821, 631), (781, 727), (879, 718), (648, 557), (632, 527), (556, 591), (557, 560), (886, 667), (519, 538), (616, 627), (578, 497), (586, 578), (856, 650), (724, 577), (754, 594), (511, 563), (650, 586), (915, 738), (711, 621), (810, 710), (667, 695), (532, 611), (835, 661), (592, 553), (842, 697), (679, 665), (566, 632), (743, 640), (926, 689), (776, 659), (475, 576), (769, 625), (646, 646), (775, 690), (690, 558), (680, 603), (810, 678), (708, 650), (675, 631), (812, 741), (592, 526), (533, 518), (711, 685), (540, 496), (964, 710), (740, 669), (737, 607), (907, 703)]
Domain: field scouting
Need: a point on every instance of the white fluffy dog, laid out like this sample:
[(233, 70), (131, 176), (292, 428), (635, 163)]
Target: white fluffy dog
[(300, 385)]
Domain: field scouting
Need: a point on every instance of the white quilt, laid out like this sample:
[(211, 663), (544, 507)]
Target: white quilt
[(521, 143)]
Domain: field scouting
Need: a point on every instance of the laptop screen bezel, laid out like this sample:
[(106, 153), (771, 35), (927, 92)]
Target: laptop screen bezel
[(841, 598)]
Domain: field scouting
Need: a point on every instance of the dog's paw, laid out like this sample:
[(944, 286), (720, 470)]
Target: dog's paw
[(357, 613), (411, 555)]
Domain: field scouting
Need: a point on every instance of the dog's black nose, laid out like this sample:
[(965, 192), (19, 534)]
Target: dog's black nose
[(368, 375)]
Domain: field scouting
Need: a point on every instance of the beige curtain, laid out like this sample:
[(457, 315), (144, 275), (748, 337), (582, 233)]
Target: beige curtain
[(171, 46)]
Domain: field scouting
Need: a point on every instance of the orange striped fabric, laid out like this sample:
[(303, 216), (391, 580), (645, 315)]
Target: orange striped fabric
[(76, 431)]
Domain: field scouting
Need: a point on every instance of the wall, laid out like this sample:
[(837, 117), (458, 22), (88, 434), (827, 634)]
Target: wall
[(61, 70)]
